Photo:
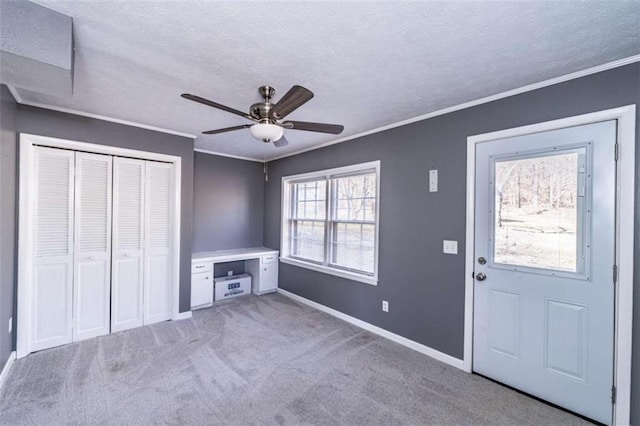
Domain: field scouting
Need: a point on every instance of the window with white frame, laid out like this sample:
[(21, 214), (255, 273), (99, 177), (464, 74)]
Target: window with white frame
[(330, 221)]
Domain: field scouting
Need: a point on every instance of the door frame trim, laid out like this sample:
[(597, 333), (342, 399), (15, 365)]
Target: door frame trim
[(26, 231), (626, 139)]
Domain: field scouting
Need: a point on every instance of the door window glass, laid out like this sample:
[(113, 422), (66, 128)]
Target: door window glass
[(537, 206)]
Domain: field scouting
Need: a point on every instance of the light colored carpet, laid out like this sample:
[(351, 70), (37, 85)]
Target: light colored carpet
[(254, 361)]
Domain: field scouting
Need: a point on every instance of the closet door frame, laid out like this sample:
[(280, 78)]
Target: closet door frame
[(26, 230)]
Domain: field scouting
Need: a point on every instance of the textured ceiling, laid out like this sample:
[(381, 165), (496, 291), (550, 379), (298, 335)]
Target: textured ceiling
[(368, 63)]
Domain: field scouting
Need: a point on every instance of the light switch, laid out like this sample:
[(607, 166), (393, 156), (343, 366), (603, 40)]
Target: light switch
[(433, 180), (449, 247)]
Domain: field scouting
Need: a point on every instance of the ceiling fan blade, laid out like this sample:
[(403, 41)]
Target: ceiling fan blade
[(226, 129), (216, 105), (281, 142), (334, 129), (292, 100)]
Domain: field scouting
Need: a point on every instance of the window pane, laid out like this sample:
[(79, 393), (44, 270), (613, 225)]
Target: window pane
[(536, 208), (307, 240), (354, 246), (355, 197), (310, 201)]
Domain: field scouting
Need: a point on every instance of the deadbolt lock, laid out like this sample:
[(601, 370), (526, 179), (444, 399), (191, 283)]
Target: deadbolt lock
[(482, 260)]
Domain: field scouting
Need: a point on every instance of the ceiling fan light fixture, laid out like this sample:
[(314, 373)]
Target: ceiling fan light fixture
[(266, 132)]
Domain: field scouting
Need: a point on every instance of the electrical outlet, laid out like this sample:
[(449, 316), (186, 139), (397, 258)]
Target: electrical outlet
[(229, 273), (10, 324), (385, 306)]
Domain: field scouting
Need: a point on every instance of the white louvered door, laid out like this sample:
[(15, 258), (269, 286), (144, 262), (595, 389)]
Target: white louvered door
[(157, 249), (102, 245), (92, 254), (52, 284), (127, 258)]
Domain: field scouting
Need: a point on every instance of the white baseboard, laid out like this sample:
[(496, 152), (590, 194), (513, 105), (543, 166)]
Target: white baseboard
[(7, 367), (419, 347), (183, 315)]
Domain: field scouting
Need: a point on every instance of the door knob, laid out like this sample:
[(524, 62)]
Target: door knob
[(481, 276)]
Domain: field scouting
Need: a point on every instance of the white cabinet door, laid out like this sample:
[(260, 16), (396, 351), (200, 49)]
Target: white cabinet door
[(269, 277), (158, 273), (52, 285), (92, 244), (128, 240), (201, 289), (264, 274)]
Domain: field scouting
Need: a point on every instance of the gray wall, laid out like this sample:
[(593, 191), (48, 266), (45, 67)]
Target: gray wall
[(7, 219), (67, 126), (424, 287), (222, 269), (228, 203)]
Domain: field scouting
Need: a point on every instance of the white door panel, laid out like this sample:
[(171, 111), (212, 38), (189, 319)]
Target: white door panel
[(52, 306), (52, 286), (157, 288), (505, 325), (543, 316), (92, 254), (565, 344), (128, 241), (158, 261), (126, 304), (92, 298)]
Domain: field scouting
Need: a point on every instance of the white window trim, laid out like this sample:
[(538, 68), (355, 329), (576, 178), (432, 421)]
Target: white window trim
[(284, 228)]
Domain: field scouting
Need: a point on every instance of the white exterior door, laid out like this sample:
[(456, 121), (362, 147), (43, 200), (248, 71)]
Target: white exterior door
[(544, 259), (158, 258), (50, 308), (128, 240), (92, 254)]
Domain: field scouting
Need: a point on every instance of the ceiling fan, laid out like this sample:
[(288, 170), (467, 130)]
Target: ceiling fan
[(267, 115)]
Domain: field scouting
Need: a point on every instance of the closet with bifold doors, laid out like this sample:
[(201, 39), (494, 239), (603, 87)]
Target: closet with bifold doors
[(102, 258)]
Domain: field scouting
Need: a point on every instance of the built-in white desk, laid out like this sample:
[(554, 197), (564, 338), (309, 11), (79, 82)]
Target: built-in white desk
[(260, 262)]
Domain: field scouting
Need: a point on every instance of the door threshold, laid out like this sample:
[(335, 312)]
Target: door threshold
[(521, 392)]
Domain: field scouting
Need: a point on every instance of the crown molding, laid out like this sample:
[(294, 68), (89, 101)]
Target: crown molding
[(15, 94), (487, 99), (220, 154), (21, 101), (465, 105)]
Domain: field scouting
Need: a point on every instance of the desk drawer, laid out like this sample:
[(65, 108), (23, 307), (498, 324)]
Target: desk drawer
[(201, 267), (271, 258)]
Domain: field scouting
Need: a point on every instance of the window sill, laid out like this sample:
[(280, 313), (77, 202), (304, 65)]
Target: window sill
[(331, 271)]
